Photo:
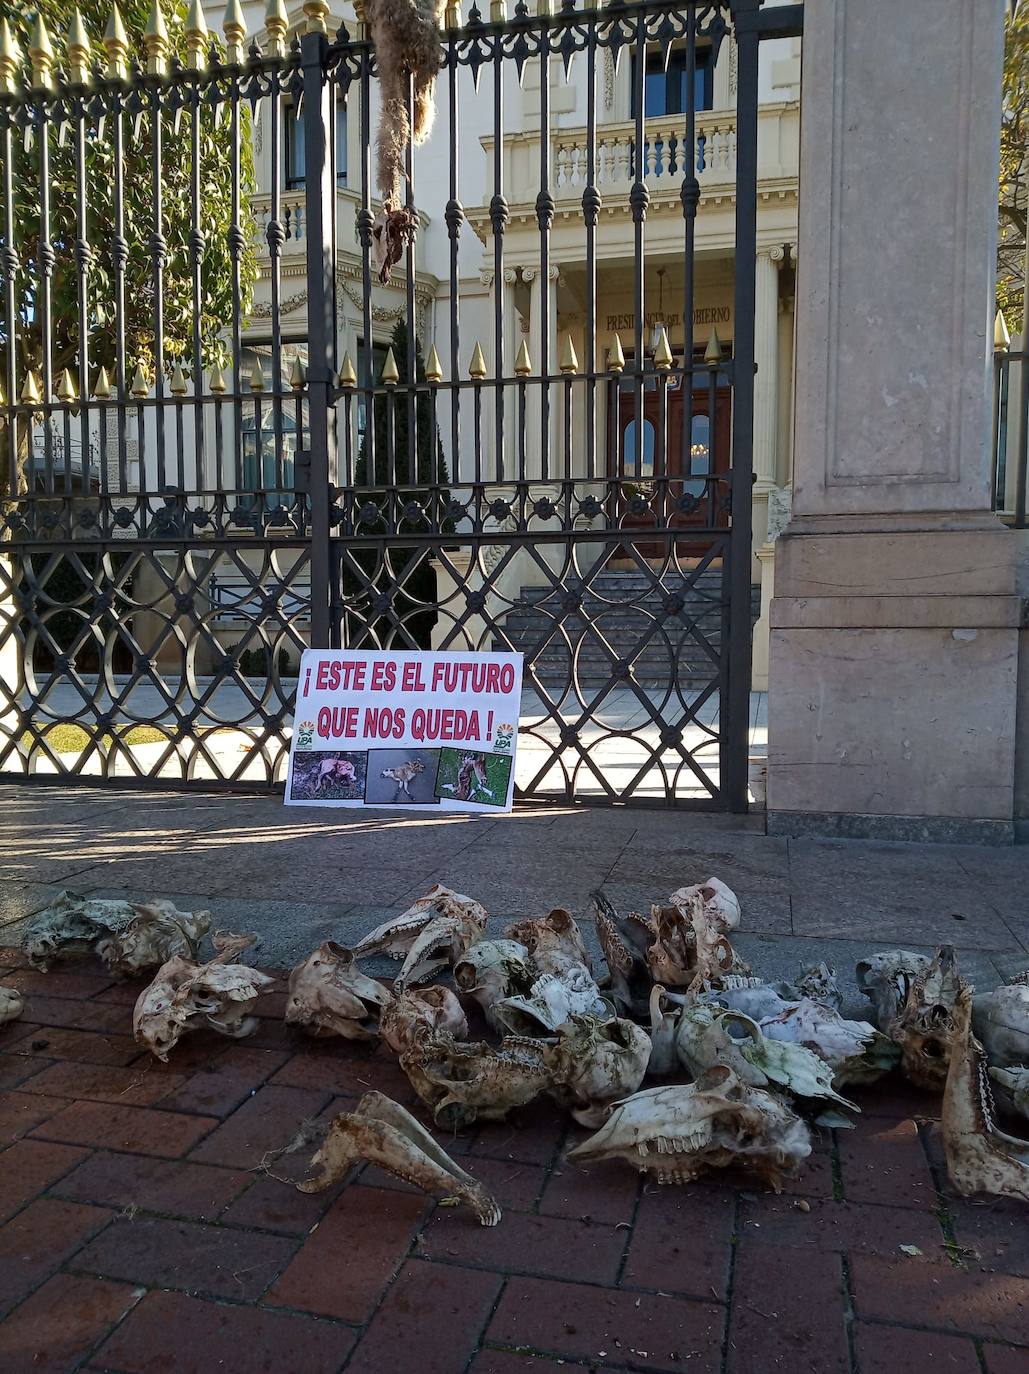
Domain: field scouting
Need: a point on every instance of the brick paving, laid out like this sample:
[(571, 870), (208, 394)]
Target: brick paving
[(147, 1226)]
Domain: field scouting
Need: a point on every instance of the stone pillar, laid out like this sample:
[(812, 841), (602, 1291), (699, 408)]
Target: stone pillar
[(534, 400), (766, 355), (894, 624)]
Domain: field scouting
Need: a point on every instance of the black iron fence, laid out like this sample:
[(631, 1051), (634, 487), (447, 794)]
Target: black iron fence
[(187, 506)]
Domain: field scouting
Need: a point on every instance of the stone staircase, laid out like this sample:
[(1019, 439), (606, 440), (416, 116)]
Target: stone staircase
[(628, 609)]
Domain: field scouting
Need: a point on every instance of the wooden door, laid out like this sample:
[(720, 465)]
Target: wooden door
[(684, 458)]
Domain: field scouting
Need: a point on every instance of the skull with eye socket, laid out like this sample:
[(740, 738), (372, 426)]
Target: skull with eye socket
[(925, 1027)]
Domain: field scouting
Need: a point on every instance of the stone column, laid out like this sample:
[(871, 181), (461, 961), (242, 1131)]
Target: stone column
[(894, 624), (766, 355)]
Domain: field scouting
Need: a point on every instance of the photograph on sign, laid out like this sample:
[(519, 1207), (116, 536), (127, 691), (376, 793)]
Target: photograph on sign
[(405, 730)]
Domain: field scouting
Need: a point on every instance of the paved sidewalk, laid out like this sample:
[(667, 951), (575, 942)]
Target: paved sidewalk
[(149, 1225)]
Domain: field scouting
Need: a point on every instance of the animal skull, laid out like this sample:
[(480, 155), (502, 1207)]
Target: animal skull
[(704, 1041), (595, 1063), (554, 942), (463, 1083), (663, 1026), (185, 996), (678, 1131), (431, 1009), (430, 936), (981, 1158), (329, 996), (625, 942), (857, 1052), (1000, 1020), (12, 1005), (721, 905), (551, 1002), (818, 982), (886, 980), (129, 937), (382, 1132), (691, 947), (924, 1028), (491, 970), (1014, 1085)]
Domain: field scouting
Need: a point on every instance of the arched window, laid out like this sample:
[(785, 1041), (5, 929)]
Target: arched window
[(700, 452), (629, 467)]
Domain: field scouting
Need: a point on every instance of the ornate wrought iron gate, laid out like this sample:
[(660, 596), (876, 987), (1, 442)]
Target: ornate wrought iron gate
[(178, 523)]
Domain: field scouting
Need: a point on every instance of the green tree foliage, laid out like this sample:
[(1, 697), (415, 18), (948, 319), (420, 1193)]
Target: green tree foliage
[(412, 615), (215, 202), (1014, 169)]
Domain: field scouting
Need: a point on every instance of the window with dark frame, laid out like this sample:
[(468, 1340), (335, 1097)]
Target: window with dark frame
[(667, 85), (266, 466), (296, 153)]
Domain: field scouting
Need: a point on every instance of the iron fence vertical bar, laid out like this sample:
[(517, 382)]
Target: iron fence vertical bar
[(996, 467), (734, 729), (321, 324), (1023, 435), (9, 260)]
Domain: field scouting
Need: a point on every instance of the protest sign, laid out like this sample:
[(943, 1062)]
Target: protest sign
[(417, 731)]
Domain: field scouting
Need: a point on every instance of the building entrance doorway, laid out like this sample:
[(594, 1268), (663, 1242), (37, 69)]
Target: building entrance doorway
[(652, 439)]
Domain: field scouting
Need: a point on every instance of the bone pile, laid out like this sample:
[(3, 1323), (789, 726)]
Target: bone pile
[(745, 1069)]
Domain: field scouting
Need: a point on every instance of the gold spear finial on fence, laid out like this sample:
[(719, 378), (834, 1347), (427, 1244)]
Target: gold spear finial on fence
[(140, 385), (316, 12), (217, 381), (523, 363), (498, 12), (1001, 337), (298, 375), (155, 40), (477, 367), (452, 17), (102, 386), (713, 352), (347, 374), (178, 385), (198, 37), (78, 51), (32, 391), (616, 358), (390, 371), (116, 45), (361, 31), (276, 24), (234, 27), (663, 354), (434, 368), (569, 363), (257, 375), (66, 392), (10, 60), (41, 55)]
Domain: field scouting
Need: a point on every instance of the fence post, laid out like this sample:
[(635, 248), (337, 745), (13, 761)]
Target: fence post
[(321, 324), (735, 734)]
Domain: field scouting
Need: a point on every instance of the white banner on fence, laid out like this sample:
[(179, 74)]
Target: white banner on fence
[(415, 731)]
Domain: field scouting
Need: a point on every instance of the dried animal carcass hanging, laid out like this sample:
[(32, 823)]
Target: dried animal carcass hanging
[(417, 1010), (924, 1027), (463, 1083), (407, 51), (981, 1158), (185, 996), (678, 1131), (595, 1063), (329, 996), (1000, 1020), (381, 1131), (12, 1004), (130, 937), (430, 936)]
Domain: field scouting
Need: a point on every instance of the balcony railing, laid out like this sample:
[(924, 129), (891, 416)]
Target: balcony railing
[(665, 154), (292, 214)]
